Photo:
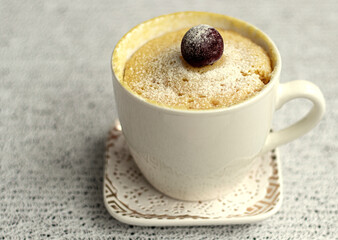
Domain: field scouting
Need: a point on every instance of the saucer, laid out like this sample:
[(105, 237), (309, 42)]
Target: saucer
[(130, 199)]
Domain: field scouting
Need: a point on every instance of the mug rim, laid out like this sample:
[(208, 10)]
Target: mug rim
[(169, 110)]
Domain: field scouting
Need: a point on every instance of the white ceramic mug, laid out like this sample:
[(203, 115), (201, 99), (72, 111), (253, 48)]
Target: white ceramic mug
[(203, 154)]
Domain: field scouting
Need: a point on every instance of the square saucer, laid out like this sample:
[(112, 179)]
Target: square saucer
[(130, 199)]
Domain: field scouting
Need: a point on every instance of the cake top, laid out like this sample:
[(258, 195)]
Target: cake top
[(158, 73)]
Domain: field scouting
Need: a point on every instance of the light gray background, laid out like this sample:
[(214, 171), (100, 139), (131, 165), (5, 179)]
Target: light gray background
[(57, 106)]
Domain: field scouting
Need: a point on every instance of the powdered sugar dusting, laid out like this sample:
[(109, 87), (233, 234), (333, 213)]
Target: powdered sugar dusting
[(158, 73), (197, 35)]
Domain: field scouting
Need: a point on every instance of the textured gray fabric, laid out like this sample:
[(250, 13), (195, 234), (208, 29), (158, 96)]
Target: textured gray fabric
[(57, 105)]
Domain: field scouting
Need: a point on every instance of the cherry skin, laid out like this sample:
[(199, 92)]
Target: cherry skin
[(202, 45)]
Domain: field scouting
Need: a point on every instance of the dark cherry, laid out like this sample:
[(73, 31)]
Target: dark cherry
[(202, 45)]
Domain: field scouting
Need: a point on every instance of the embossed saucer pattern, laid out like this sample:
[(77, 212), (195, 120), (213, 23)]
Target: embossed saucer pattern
[(129, 198)]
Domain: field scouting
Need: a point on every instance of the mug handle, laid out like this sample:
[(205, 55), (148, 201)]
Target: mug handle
[(287, 92)]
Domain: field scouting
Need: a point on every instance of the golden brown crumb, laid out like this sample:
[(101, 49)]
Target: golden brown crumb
[(158, 73)]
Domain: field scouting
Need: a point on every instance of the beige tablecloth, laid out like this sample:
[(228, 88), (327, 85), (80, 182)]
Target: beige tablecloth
[(57, 106)]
